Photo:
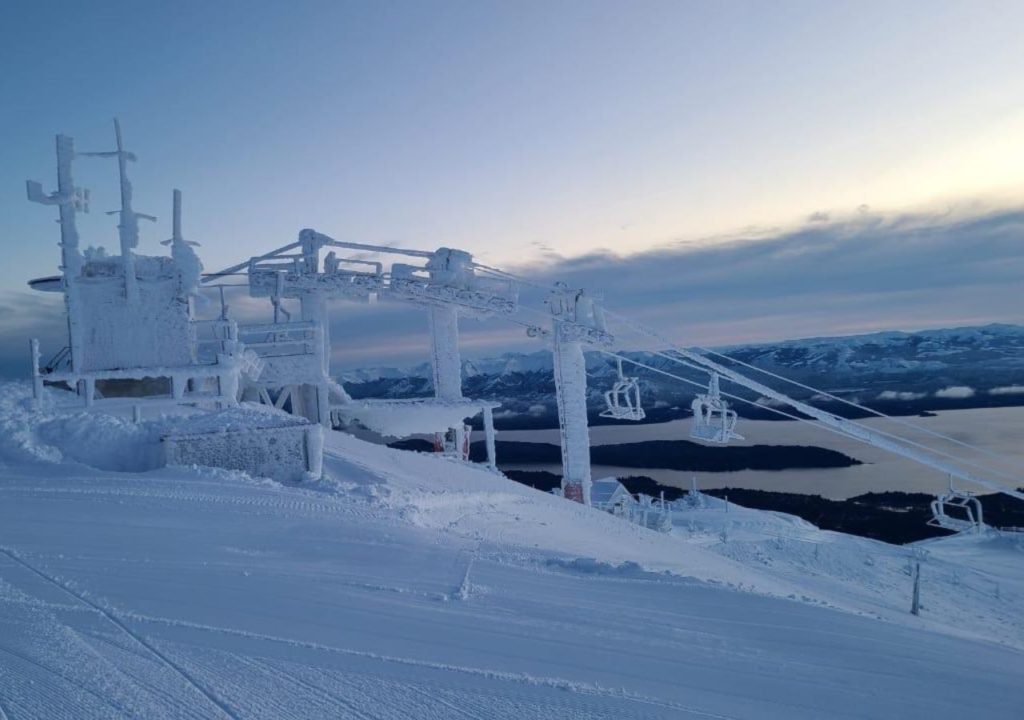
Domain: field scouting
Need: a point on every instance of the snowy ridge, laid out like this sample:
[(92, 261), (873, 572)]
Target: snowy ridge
[(956, 363), (411, 585)]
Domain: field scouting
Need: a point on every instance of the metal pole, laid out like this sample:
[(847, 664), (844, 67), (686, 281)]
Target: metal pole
[(915, 605), (492, 461), (68, 198)]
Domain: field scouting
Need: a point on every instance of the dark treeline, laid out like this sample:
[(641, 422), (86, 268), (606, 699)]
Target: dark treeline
[(668, 454)]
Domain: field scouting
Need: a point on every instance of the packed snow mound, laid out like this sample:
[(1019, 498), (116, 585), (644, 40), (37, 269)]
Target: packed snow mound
[(18, 423), (103, 441)]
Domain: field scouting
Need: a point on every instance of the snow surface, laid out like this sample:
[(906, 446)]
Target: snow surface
[(407, 585)]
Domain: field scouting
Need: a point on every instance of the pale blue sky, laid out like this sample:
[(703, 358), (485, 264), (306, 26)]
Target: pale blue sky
[(516, 130)]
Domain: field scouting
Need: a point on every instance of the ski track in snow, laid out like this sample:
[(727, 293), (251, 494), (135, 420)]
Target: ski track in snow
[(162, 657), (553, 682)]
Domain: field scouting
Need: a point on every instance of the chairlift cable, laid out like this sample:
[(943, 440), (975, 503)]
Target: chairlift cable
[(731, 396), (877, 413), (936, 451), (854, 429), (1003, 474), (726, 373)]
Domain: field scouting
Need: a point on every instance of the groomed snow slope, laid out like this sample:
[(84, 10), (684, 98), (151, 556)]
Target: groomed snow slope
[(407, 586)]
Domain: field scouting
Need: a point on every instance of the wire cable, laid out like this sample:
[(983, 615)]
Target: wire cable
[(899, 438), (652, 334)]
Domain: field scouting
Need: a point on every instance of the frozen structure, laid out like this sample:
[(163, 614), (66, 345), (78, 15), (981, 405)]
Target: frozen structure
[(713, 420), (263, 443), (611, 496), (134, 342), (958, 511), (577, 320), (623, 400), (130, 317), (296, 351), (694, 498)]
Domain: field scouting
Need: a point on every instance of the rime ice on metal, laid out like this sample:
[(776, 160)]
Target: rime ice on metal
[(958, 511), (622, 402), (713, 420), (296, 352), (133, 340), (576, 319)]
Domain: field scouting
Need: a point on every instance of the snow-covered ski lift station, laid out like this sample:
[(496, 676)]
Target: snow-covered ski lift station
[(258, 394)]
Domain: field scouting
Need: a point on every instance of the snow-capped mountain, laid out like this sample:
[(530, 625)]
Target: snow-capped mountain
[(931, 368), (970, 354)]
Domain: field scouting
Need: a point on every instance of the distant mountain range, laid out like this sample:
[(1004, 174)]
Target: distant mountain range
[(897, 372)]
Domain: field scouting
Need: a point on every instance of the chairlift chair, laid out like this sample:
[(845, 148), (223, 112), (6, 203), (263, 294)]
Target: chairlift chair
[(713, 420), (967, 514), (623, 400)]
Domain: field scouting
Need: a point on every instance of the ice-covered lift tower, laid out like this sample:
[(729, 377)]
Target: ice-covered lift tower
[(444, 283), (577, 320), (296, 352), (447, 287)]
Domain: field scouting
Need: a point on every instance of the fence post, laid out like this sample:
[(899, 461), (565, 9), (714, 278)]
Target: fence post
[(915, 606)]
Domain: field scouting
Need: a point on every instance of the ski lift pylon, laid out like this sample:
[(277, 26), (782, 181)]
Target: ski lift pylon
[(713, 420), (966, 506), (623, 400)]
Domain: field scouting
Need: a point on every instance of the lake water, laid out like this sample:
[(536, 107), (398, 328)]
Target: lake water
[(999, 430)]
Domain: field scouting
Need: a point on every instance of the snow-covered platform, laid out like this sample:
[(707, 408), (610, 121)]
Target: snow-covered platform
[(402, 418)]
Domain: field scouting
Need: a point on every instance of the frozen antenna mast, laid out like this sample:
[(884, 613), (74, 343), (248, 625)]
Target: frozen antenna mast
[(68, 199), (176, 238), (181, 250), (128, 227)]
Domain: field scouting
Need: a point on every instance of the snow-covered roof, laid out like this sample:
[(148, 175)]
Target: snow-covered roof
[(605, 491)]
